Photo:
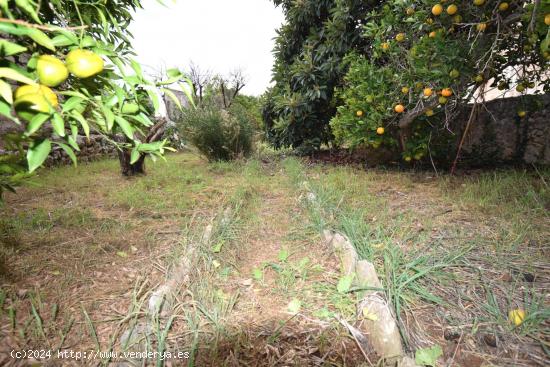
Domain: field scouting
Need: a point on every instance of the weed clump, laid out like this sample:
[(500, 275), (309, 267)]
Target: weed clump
[(220, 135)]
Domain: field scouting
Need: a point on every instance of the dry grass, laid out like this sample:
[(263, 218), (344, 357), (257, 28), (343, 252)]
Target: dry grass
[(83, 248)]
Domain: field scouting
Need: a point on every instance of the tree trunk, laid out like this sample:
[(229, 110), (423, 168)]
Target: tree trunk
[(131, 169), (124, 155)]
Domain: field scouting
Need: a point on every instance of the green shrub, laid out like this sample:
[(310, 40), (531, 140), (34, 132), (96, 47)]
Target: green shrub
[(218, 134)]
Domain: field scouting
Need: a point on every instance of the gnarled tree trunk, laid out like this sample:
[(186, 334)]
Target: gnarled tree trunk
[(124, 156)]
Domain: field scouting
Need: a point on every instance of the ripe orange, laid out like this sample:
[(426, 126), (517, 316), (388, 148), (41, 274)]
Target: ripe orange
[(447, 92), (481, 27), (503, 6), (437, 9), (84, 63), (400, 37), (399, 108), (547, 19), (432, 34), (31, 99), (385, 46), (428, 92), (380, 130), (359, 113), (516, 316), (452, 9), (51, 71), (479, 2)]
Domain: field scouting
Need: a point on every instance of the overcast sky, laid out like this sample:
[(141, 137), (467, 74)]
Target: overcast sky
[(219, 35)]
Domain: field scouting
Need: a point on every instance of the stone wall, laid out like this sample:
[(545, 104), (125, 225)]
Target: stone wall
[(90, 150), (497, 135)]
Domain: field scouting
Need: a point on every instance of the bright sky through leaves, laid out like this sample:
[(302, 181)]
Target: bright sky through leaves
[(219, 35)]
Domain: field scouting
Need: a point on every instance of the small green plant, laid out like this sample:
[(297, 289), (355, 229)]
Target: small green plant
[(218, 134)]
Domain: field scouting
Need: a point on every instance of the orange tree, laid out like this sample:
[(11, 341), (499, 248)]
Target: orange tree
[(66, 69), (427, 57)]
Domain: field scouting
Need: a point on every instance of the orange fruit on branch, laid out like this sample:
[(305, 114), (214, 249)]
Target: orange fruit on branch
[(452, 9), (405, 90), (399, 108), (547, 19), (427, 92), (400, 37), (31, 99), (479, 2), (481, 27), (447, 92), (380, 130), (84, 63), (503, 6), (51, 71), (437, 9), (359, 113)]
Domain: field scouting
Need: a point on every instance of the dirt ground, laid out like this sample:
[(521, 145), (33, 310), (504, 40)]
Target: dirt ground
[(83, 249)]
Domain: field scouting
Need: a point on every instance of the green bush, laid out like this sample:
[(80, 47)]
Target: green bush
[(218, 134)]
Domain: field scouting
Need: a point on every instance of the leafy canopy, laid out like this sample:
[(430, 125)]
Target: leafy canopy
[(111, 98)]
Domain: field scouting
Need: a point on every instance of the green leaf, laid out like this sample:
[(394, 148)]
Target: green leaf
[(6, 92), (134, 156), (5, 110), (12, 74), (37, 154), (257, 273), (137, 68), (125, 126), (283, 255), (8, 48), (344, 284), (29, 8), (294, 306), (85, 126), (428, 356), (71, 103), (62, 40), (218, 247), (173, 97), (13, 29), (174, 73), (188, 91), (58, 124), (41, 38), (69, 152), (154, 99), (36, 123), (109, 117)]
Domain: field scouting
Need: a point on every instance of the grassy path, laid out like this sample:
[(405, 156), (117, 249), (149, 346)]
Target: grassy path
[(82, 250)]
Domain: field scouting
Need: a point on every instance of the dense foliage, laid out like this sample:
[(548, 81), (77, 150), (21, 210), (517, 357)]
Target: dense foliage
[(426, 58), (391, 72), (308, 67), (42, 104), (219, 134)]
